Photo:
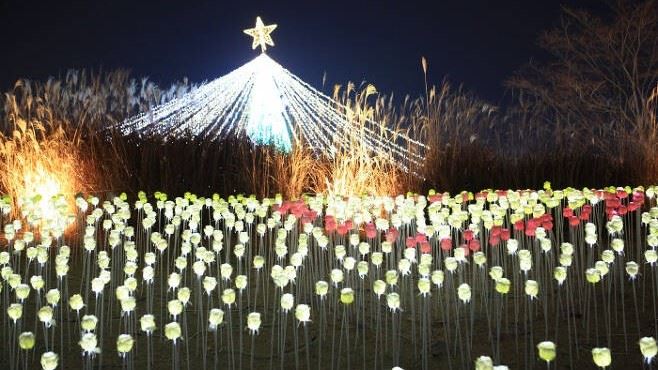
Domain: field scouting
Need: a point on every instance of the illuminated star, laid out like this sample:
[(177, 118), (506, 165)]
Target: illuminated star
[(261, 35)]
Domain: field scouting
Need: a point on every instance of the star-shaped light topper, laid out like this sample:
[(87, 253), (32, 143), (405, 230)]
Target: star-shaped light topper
[(261, 35)]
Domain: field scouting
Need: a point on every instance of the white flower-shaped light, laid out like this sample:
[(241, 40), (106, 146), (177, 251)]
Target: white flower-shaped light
[(531, 288), (391, 277), (648, 348), (503, 285), (593, 276), (321, 288), (124, 344), (89, 344), (393, 301), (424, 286), (546, 351), (52, 297), (175, 308), (22, 292), (303, 313), (49, 361), (26, 340), (336, 276), (464, 292), (253, 322), (259, 262), (147, 324), (632, 269), (484, 363), (15, 311), (601, 357), (560, 274), (241, 282), (215, 318), (228, 296), (287, 301), (438, 277), (347, 296), (45, 315), (173, 281), (172, 331)]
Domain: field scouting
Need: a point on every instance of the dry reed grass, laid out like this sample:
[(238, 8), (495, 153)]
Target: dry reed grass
[(472, 144), (39, 158)]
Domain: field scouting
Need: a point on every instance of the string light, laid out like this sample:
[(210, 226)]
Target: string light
[(266, 103)]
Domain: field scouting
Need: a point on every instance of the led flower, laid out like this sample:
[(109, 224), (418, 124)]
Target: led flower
[(648, 348), (52, 297), (303, 313), (560, 274), (175, 307), (253, 322), (438, 277), (49, 361), (259, 262), (503, 285), (393, 301), (593, 276), (22, 291), (391, 277), (89, 344), (321, 288), (228, 296), (215, 318), (546, 351), (287, 301), (209, 284), (173, 281), (172, 331), (379, 287), (45, 315), (362, 268), (608, 256), (26, 340), (632, 269), (464, 292), (347, 296), (15, 311), (147, 323), (484, 363), (376, 258), (183, 295), (602, 357), (450, 263), (496, 272), (124, 344), (424, 286), (531, 288)]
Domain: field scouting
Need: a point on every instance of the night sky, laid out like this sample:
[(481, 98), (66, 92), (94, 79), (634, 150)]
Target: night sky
[(474, 43)]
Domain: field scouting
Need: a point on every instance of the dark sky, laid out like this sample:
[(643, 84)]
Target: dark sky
[(475, 43)]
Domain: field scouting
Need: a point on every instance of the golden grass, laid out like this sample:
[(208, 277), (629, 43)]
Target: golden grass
[(39, 165), (472, 145)]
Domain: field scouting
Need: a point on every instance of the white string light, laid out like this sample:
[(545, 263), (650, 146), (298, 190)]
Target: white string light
[(266, 103)]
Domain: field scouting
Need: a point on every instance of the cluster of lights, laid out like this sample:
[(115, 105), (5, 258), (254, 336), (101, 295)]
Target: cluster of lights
[(385, 256), (268, 104)]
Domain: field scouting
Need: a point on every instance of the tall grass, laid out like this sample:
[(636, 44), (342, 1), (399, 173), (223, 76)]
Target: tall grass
[(472, 144)]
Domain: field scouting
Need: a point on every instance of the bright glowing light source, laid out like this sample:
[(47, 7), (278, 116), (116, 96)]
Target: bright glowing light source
[(265, 102), (261, 35), (42, 200), (266, 122)]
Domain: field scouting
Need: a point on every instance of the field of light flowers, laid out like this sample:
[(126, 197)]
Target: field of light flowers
[(525, 279)]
